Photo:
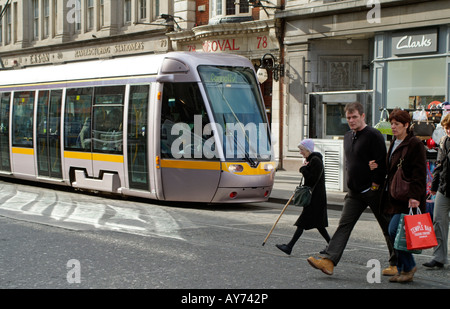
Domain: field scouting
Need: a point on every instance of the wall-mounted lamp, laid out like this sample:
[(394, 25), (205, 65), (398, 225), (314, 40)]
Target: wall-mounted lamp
[(276, 68), (169, 21)]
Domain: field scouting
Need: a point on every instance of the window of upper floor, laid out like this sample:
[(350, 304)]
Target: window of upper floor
[(229, 8)]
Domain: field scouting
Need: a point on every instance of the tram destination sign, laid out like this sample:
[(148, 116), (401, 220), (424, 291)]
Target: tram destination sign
[(415, 42)]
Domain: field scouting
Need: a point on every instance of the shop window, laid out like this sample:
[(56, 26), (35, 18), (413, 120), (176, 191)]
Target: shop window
[(415, 83)]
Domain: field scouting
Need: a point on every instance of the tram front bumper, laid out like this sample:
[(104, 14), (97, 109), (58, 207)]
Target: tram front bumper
[(245, 184), (242, 195)]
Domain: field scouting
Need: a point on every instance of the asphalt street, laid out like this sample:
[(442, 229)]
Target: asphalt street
[(59, 239)]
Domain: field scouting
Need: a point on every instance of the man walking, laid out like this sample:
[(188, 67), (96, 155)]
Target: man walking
[(362, 144)]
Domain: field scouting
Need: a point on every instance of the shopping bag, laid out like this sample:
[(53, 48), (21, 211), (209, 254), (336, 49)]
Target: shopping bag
[(384, 126), (302, 196), (419, 231), (400, 237)]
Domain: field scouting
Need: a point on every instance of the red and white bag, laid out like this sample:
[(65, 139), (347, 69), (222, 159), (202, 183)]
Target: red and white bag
[(419, 231)]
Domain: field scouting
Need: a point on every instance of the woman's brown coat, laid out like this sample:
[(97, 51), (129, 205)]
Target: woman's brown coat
[(415, 169)]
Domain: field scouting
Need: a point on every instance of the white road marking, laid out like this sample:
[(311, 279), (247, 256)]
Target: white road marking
[(61, 208)]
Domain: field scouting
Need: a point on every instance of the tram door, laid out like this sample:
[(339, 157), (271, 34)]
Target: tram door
[(138, 172), (49, 133), (5, 161), (186, 171)]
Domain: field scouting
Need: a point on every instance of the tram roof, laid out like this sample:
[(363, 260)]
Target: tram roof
[(116, 67)]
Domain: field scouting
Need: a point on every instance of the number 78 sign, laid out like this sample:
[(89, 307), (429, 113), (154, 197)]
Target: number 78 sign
[(260, 42)]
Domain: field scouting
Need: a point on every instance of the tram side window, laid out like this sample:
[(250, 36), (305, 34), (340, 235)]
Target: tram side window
[(77, 119), (107, 131), (22, 126), (181, 104)]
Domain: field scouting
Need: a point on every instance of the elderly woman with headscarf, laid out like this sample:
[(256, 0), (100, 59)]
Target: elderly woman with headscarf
[(315, 214)]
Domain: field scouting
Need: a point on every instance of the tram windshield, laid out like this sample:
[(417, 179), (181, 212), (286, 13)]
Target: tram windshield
[(238, 111)]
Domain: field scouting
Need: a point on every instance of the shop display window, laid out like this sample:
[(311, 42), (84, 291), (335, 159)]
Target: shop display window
[(415, 83)]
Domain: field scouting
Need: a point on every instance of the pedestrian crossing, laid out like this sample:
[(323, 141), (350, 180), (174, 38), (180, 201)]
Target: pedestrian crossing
[(76, 211)]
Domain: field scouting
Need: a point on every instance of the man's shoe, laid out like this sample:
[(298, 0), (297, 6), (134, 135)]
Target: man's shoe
[(285, 248), (390, 271), (324, 264), (433, 264)]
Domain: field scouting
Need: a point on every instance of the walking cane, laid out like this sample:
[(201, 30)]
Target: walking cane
[(284, 208)]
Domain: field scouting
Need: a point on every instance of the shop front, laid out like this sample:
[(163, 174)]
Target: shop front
[(411, 68), (335, 53)]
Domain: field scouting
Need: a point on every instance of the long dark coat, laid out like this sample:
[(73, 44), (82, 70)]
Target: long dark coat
[(415, 169), (315, 214)]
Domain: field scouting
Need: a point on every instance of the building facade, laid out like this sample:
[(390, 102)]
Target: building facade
[(383, 53), (37, 32)]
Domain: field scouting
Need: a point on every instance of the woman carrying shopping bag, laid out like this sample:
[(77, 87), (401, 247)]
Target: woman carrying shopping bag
[(313, 215), (406, 151)]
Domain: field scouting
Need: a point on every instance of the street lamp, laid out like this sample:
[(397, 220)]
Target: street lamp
[(276, 68)]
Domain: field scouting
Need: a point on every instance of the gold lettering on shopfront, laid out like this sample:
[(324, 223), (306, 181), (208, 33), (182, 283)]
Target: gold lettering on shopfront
[(96, 51), (137, 46), (39, 58), (100, 51)]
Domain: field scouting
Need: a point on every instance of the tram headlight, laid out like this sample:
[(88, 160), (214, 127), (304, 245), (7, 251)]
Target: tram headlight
[(235, 168), (269, 167)]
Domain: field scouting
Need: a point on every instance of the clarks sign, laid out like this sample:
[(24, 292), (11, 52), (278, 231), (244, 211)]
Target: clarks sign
[(415, 42)]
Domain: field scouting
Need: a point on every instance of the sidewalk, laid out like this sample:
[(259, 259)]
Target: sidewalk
[(284, 186)]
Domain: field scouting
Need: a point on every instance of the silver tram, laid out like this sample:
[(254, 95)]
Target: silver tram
[(176, 127)]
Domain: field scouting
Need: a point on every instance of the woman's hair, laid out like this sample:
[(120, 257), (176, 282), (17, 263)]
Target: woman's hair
[(445, 122), (401, 116)]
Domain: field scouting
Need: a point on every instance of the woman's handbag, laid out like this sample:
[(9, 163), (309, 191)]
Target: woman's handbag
[(399, 187), (419, 231), (400, 242), (302, 194), (384, 126)]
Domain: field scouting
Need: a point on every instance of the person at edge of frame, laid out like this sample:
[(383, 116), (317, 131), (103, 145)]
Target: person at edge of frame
[(313, 215), (440, 186), (362, 145)]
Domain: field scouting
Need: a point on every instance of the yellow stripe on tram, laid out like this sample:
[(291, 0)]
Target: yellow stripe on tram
[(195, 165), (263, 168), (93, 156), (25, 151)]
